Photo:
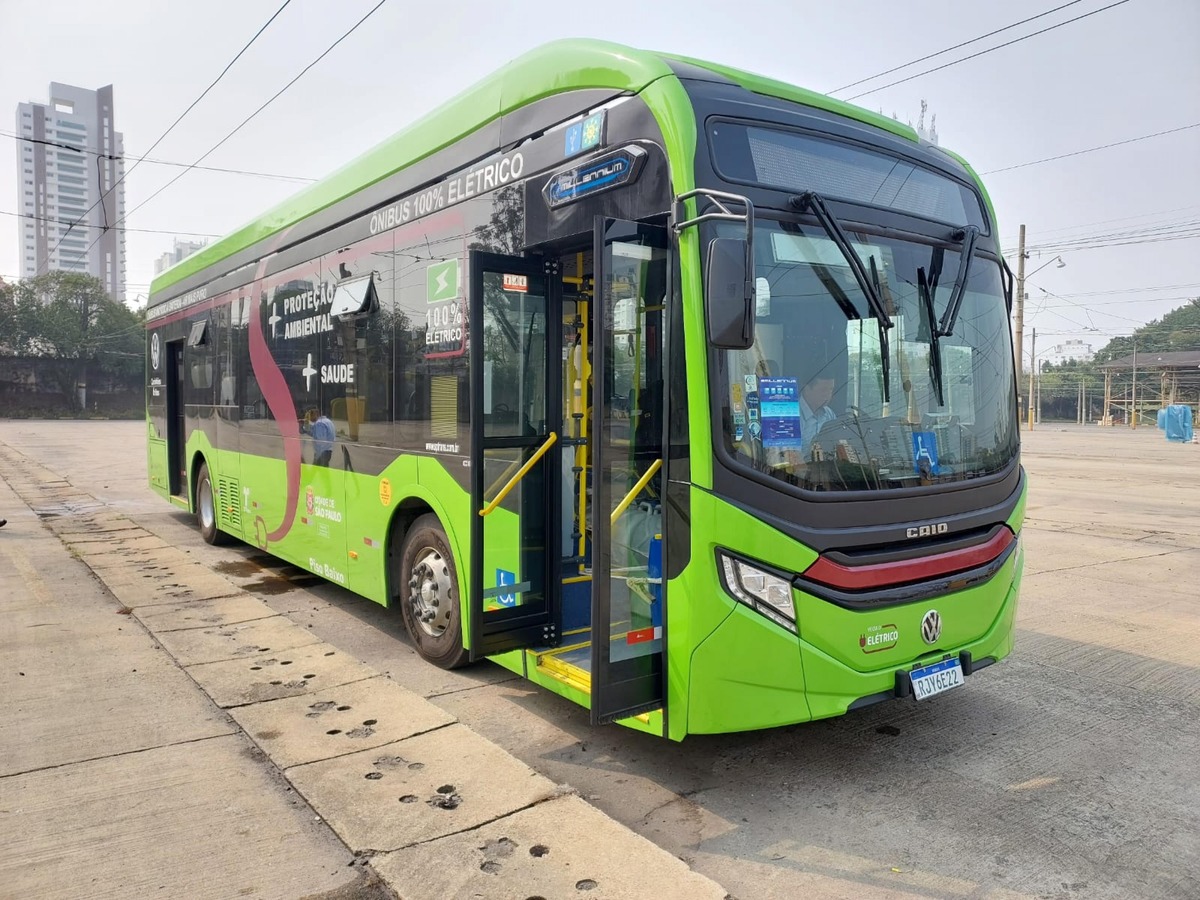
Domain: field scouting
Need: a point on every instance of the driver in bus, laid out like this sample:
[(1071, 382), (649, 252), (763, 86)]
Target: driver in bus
[(815, 412)]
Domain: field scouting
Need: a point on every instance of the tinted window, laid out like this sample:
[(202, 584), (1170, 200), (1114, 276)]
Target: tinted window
[(799, 162)]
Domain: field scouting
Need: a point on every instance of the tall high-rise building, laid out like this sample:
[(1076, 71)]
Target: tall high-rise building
[(178, 253), (69, 157)]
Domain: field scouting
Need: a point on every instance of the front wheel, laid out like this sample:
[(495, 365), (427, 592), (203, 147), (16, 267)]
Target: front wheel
[(427, 591), (206, 508)]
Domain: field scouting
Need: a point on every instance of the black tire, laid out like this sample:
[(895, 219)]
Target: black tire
[(427, 591), (206, 508)]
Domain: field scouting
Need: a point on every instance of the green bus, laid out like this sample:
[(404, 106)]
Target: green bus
[(684, 393)]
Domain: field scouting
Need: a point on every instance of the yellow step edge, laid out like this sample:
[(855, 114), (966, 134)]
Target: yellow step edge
[(559, 651), (568, 674)]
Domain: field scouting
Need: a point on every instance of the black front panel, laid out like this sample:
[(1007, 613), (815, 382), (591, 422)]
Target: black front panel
[(841, 515)]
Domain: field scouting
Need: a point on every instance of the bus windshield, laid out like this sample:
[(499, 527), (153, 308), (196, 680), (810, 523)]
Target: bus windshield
[(808, 405)]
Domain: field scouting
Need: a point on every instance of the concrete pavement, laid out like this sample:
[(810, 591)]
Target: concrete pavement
[(168, 733), (118, 776), (1067, 771)]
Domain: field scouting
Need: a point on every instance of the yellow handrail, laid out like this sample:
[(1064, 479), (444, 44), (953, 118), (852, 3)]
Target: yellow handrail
[(512, 483), (634, 491), (508, 473)]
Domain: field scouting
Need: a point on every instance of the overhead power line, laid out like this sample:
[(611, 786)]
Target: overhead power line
[(974, 40), (248, 118), (159, 162), (988, 50), (1128, 243), (203, 94), (1135, 290), (1164, 230), (4, 212), (1144, 137), (1180, 234), (1008, 241)]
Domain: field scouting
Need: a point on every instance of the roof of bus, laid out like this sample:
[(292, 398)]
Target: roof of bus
[(553, 68)]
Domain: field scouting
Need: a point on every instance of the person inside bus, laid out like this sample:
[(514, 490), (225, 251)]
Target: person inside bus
[(320, 427), (815, 412)]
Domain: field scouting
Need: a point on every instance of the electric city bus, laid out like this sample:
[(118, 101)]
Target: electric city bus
[(684, 393)]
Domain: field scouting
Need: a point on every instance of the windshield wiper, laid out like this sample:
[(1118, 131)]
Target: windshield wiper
[(885, 354), (935, 350), (967, 235), (812, 200), (836, 291)]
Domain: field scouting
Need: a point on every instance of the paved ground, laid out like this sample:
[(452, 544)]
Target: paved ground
[(1068, 771), (166, 733)]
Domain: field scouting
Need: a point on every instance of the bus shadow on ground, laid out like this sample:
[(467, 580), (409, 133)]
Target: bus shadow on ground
[(1048, 770)]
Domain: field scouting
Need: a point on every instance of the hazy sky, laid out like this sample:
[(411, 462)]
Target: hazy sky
[(1129, 71)]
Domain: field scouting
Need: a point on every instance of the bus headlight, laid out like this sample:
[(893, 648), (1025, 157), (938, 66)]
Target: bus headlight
[(764, 592)]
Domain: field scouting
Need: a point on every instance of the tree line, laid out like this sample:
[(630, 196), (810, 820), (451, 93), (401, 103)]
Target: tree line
[(69, 323)]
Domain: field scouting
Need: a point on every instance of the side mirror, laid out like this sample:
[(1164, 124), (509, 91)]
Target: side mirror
[(729, 294)]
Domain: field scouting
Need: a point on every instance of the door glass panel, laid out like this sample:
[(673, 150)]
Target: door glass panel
[(514, 356), (632, 432), (511, 594), (514, 405), (628, 465), (514, 561)]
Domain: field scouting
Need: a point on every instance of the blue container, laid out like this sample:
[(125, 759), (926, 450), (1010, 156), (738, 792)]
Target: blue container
[(1179, 424), (1162, 419)]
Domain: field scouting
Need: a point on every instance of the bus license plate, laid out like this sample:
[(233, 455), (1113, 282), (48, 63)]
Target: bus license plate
[(937, 678)]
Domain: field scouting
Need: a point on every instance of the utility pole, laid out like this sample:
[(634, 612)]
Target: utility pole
[(1020, 317), (1037, 419), (1133, 393), (1032, 360)]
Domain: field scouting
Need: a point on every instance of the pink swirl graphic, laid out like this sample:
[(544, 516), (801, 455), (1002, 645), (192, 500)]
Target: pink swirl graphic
[(279, 400)]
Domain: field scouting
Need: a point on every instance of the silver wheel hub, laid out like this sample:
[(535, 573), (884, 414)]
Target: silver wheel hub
[(205, 502), (430, 592)]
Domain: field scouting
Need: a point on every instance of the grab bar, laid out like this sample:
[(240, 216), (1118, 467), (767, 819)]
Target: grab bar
[(521, 473)]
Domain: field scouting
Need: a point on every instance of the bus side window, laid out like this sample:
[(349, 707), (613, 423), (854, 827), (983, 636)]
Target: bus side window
[(356, 390)]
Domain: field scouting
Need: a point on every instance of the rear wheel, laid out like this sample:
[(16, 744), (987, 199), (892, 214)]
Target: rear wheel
[(206, 508), (427, 590)]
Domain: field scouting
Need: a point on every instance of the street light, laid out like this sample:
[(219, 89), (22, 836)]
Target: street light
[(1018, 330), (1061, 265)]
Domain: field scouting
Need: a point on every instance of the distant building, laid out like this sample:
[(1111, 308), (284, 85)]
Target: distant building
[(70, 154), (1068, 350), (181, 251)]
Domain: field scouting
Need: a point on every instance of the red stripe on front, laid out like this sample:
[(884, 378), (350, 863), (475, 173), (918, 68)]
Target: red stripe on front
[(856, 578)]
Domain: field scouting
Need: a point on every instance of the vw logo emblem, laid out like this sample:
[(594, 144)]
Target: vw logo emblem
[(154, 352), (931, 627)]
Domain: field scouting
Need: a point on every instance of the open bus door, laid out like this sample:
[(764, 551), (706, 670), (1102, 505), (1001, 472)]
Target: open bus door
[(177, 482), (628, 641), (515, 462)]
